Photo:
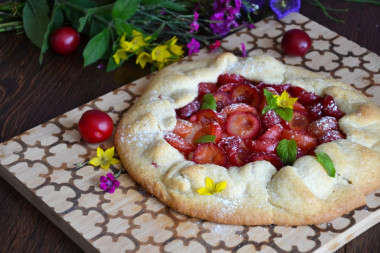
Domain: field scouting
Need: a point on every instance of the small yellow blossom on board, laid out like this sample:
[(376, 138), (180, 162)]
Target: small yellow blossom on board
[(104, 158), (143, 58), (212, 188), (120, 54), (284, 100), (174, 48), (161, 53)]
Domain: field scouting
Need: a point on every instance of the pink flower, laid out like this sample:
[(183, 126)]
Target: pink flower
[(109, 183), (243, 52), (194, 26), (193, 46)]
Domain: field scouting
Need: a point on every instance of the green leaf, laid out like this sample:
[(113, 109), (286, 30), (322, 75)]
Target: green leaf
[(208, 102), (171, 5), (124, 9), (271, 101), (111, 65), (326, 162), (96, 47), (35, 17), (83, 20), (287, 151), (285, 113), (206, 139), (122, 27), (56, 21)]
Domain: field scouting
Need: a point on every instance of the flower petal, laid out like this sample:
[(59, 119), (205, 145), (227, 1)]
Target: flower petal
[(109, 153), (95, 161), (110, 176), (203, 191), (99, 152), (116, 183), (210, 185), (220, 186), (103, 179), (105, 166), (103, 186), (111, 189)]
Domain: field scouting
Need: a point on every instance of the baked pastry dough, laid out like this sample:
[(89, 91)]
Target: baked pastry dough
[(256, 193)]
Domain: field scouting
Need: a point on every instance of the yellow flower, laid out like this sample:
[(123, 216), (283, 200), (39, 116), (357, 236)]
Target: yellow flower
[(104, 158), (161, 54), (120, 54), (284, 100), (125, 44), (173, 48), (212, 188), (143, 58)]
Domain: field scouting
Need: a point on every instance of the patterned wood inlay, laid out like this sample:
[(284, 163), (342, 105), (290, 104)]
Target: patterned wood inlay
[(40, 163)]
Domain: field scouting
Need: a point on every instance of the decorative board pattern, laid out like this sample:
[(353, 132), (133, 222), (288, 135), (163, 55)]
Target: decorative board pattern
[(40, 164)]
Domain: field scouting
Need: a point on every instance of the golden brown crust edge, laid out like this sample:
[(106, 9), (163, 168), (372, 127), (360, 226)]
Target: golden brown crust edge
[(256, 193)]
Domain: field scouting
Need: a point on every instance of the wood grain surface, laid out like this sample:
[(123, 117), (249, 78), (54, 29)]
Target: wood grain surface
[(31, 94)]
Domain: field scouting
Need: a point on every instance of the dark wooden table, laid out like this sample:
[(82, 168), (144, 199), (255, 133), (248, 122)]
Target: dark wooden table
[(31, 94)]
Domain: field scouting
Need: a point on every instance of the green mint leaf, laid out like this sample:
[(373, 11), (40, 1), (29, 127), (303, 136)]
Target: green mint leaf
[(208, 102), (111, 64), (326, 162), (285, 113), (206, 139), (287, 151), (124, 9), (56, 21), (122, 27), (96, 47), (35, 18), (271, 100)]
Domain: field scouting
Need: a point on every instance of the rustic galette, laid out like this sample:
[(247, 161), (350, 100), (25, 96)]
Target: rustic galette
[(252, 141)]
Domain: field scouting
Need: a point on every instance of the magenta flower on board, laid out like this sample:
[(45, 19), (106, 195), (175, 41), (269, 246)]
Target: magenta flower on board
[(109, 183), (243, 52), (194, 26), (214, 46), (193, 46), (283, 8), (225, 16)]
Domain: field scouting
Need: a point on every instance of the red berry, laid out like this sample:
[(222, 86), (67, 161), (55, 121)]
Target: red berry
[(296, 42), (243, 124), (267, 146), (95, 126), (304, 97), (279, 88), (272, 158), (246, 93), (212, 129), (270, 118), (189, 109), (204, 88), (273, 133), (230, 78), (206, 116), (183, 128), (304, 142), (179, 143), (222, 100), (330, 108), (238, 107), (300, 121), (320, 126), (210, 153), (330, 135), (64, 40), (236, 149), (315, 111)]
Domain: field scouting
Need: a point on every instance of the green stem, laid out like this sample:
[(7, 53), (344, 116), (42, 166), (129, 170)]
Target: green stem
[(11, 24), (364, 1), (323, 8)]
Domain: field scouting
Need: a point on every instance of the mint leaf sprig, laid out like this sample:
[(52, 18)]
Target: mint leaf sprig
[(285, 113), (327, 163), (208, 102), (287, 151), (206, 139)]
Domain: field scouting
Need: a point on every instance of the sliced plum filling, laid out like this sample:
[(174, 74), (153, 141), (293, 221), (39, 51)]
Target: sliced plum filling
[(236, 121)]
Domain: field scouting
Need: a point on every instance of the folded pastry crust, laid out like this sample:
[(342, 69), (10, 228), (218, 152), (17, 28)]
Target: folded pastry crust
[(256, 193)]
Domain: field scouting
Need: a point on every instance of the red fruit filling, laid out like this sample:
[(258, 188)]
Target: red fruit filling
[(242, 134)]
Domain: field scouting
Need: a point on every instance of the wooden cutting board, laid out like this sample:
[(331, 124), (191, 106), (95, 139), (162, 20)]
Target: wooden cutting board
[(40, 165)]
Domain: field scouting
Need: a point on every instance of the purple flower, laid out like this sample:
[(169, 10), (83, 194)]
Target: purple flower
[(253, 5), (108, 183), (283, 8), (225, 16), (214, 46), (243, 52), (194, 26), (193, 46)]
